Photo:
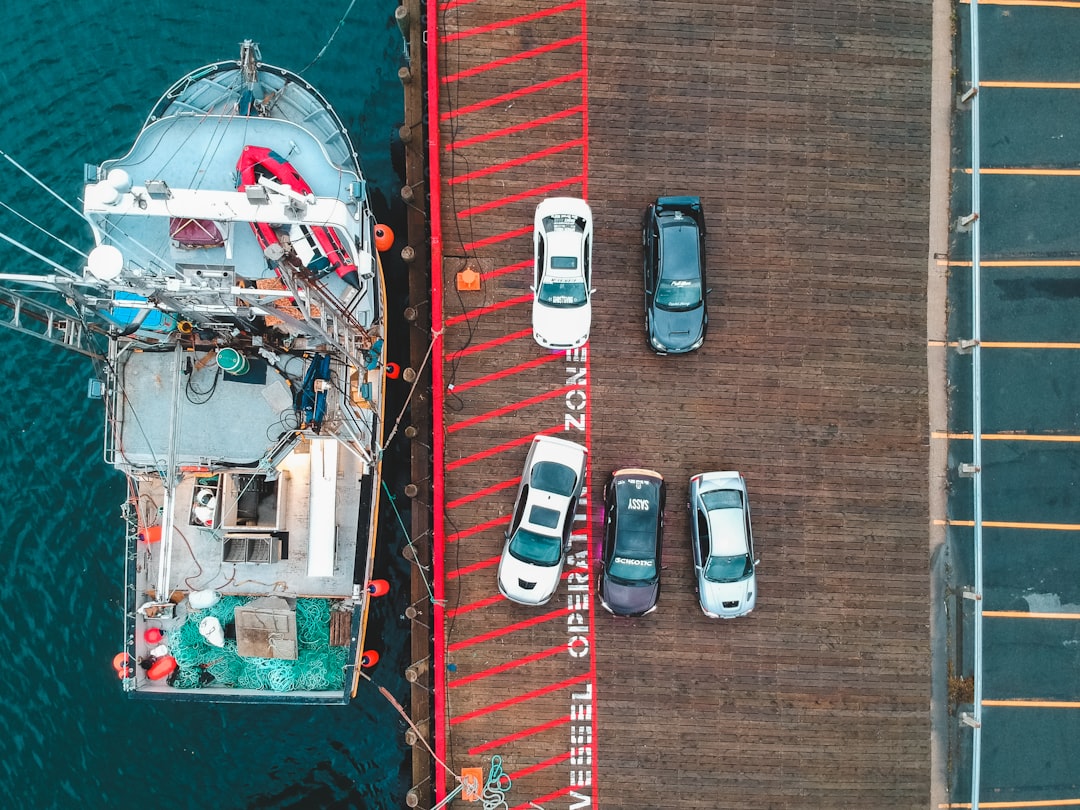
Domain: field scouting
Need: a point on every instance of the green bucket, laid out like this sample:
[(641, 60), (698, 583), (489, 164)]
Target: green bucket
[(232, 362)]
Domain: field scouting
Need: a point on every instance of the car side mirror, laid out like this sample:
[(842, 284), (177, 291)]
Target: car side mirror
[(708, 291), (592, 291), (532, 287), (757, 563)]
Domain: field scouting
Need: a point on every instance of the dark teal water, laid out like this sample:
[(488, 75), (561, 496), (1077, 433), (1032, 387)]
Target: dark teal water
[(77, 79)]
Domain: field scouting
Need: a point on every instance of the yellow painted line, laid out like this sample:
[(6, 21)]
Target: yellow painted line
[(1038, 3), (1036, 704), (1030, 172), (1007, 524), (1032, 803), (1005, 437), (1020, 263), (1033, 85), (1019, 614)]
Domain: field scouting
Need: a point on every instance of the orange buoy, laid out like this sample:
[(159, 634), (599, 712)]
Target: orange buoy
[(126, 671), (153, 636), (369, 659), (120, 661), (393, 371), (161, 668), (151, 534), (378, 587), (384, 238)]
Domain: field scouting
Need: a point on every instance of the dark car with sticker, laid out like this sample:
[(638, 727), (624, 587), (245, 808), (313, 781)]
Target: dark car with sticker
[(673, 235), (628, 583)]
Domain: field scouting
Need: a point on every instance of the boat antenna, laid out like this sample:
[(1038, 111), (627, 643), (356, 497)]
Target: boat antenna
[(59, 267), (18, 166), (37, 227), (341, 22)]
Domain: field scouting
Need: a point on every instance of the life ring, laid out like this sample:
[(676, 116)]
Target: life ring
[(384, 238), (161, 668), (120, 661)]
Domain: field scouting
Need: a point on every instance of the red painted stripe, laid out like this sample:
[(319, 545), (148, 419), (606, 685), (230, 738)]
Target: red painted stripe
[(539, 766), (509, 60), (510, 628), (516, 406), (461, 462), (476, 313), (512, 95), (529, 732), (540, 801), (472, 247), (505, 704), (513, 482), (478, 605), (518, 161), (506, 372), (490, 562), (491, 344), (480, 527), (455, 3), (528, 659), (499, 133), (539, 191), (510, 268), (512, 21)]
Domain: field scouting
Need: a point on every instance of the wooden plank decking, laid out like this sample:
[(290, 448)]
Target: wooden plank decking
[(805, 129)]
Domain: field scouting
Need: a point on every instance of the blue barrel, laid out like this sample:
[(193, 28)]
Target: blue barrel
[(232, 362)]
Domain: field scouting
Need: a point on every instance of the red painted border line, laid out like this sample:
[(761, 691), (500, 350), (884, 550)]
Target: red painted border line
[(490, 562), (476, 313), (538, 191), (518, 161), (528, 659), (510, 628), (512, 21), (509, 60), (540, 766), (454, 4), (512, 95), (497, 449), (514, 701), (491, 344), (529, 732), (499, 133), (516, 406), (487, 601), (506, 372), (488, 241), (513, 482), (480, 527)]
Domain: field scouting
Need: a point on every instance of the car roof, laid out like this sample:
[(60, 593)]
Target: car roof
[(727, 532)]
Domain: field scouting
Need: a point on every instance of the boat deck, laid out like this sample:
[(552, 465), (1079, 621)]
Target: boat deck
[(806, 132)]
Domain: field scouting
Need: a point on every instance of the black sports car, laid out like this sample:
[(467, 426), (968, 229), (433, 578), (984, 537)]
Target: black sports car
[(674, 238), (629, 577)]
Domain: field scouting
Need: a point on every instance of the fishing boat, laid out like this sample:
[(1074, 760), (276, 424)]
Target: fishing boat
[(236, 296)]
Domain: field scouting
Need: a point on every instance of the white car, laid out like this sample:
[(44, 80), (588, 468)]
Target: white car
[(723, 544), (562, 273), (539, 535)]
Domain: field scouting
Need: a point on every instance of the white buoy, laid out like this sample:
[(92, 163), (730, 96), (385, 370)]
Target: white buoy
[(105, 262), (201, 600), (120, 180), (160, 651), (210, 629)]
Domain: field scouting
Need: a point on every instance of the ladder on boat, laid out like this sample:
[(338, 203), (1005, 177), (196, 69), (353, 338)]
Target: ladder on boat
[(27, 315)]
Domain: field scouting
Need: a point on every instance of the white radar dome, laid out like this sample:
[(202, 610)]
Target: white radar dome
[(105, 262), (120, 180)]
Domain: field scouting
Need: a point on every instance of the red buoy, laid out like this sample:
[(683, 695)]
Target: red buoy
[(384, 238), (393, 371), (161, 668), (153, 636), (120, 661), (126, 671), (369, 659), (151, 534), (378, 587)]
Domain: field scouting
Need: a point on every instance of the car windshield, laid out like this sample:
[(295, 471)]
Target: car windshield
[(728, 569), (722, 499), (550, 476), (561, 293), (535, 548), (635, 557), (679, 285)]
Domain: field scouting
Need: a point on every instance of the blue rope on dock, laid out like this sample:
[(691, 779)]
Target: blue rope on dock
[(497, 786)]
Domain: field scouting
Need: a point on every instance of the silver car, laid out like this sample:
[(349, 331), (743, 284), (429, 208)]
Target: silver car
[(723, 544)]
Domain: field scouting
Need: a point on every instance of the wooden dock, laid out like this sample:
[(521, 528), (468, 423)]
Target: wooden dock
[(805, 129)]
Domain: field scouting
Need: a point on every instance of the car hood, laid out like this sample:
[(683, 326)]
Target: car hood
[(740, 597), (677, 331), (561, 327), (516, 577), (629, 600)]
